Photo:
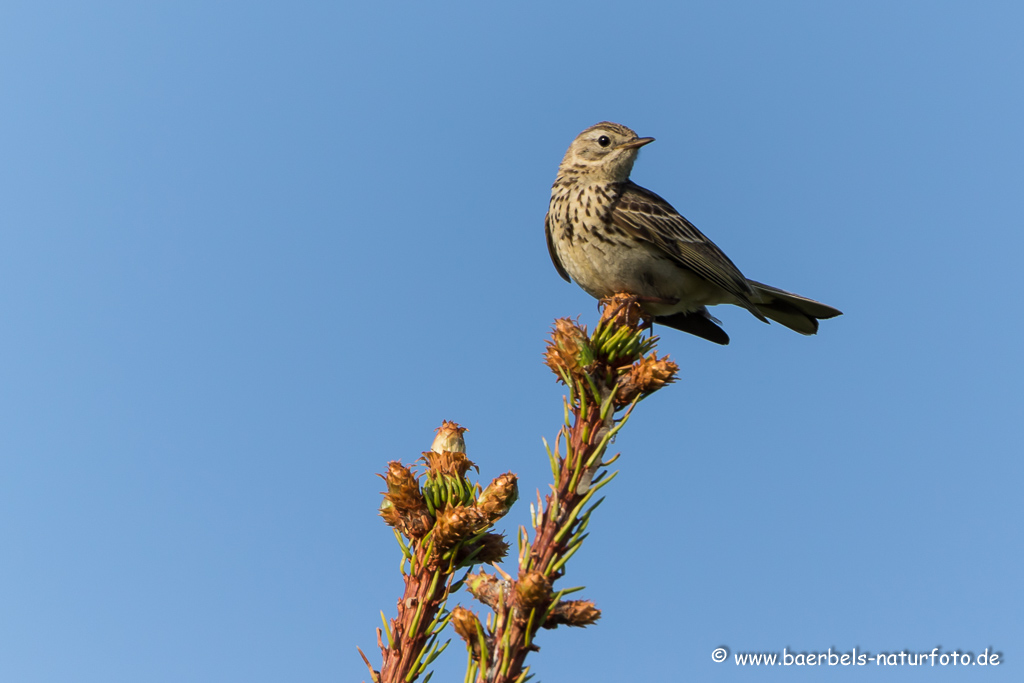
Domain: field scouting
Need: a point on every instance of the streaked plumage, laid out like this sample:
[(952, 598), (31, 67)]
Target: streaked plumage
[(610, 235)]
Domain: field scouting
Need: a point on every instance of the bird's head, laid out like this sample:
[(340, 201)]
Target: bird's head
[(605, 151)]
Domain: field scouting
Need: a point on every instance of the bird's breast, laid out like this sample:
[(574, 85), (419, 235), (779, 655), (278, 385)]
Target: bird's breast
[(604, 259)]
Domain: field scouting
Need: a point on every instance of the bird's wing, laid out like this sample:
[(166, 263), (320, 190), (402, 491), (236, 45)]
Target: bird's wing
[(649, 217), (551, 249)]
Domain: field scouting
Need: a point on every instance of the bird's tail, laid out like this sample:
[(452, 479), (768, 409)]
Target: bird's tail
[(796, 312), (699, 322)]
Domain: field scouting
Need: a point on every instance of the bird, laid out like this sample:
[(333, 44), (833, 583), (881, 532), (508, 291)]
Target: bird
[(612, 236)]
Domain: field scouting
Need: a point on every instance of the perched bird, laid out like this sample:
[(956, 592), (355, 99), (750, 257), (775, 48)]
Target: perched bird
[(610, 235)]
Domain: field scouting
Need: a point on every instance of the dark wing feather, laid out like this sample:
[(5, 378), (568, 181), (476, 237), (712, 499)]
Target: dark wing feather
[(551, 250), (647, 216)]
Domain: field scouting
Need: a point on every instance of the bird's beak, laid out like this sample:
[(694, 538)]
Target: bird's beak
[(634, 144)]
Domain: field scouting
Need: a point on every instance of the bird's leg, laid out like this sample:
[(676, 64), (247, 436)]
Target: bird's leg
[(649, 319), (629, 309), (623, 308)]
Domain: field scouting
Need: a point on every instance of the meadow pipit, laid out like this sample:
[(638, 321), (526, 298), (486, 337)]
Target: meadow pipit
[(612, 236)]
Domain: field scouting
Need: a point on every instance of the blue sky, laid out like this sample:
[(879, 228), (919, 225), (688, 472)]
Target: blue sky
[(251, 252)]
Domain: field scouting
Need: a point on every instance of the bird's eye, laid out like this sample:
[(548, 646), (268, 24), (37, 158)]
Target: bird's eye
[(604, 141)]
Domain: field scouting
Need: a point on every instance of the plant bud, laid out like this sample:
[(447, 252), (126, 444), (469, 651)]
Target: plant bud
[(450, 463), (449, 438), (644, 378), (573, 613), (569, 351), (534, 590), (486, 588), (493, 548), (454, 524), (498, 497), (466, 624), (403, 506), (621, 309)]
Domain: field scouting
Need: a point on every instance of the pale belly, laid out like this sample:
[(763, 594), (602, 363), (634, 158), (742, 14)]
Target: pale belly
[(602, 269)]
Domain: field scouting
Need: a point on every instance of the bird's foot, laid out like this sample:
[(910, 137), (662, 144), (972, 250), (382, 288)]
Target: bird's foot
[(627, 309)]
